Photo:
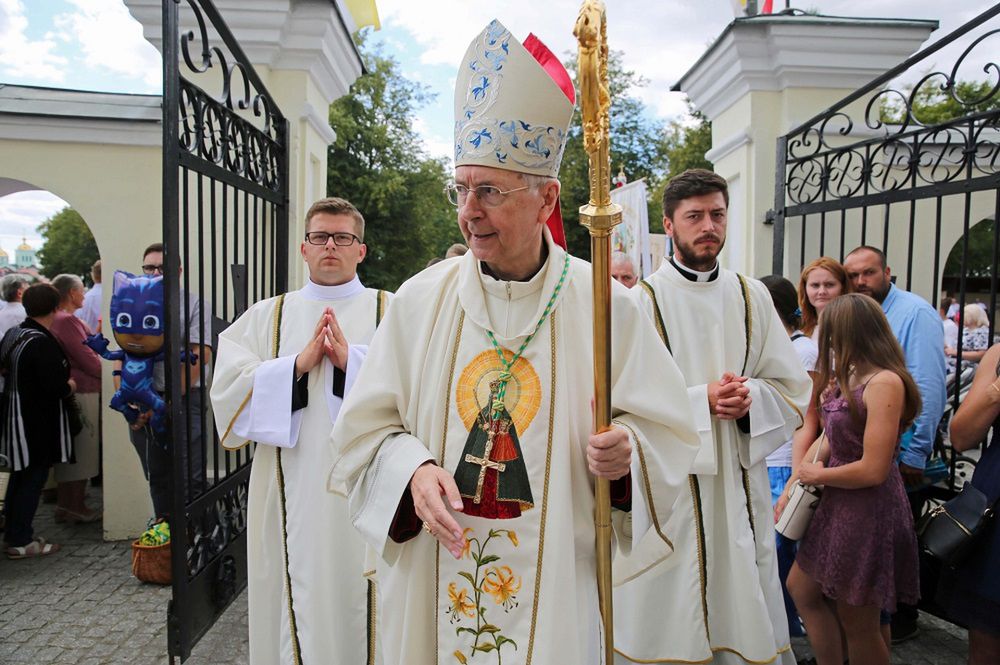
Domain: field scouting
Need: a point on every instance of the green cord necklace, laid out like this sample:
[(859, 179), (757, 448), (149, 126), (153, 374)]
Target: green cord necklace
[(505, 374)]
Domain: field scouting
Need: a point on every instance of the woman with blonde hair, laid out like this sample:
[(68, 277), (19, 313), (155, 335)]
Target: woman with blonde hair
[(975, 337), (859, 554), (821, 281)]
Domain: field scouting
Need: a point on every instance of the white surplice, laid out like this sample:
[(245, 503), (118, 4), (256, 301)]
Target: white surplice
[(252, 399), (718, 598), (525, 585)]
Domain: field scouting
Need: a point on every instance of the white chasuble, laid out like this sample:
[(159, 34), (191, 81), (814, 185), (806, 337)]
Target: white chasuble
[(718, 598), (313, 606), (524, 589)]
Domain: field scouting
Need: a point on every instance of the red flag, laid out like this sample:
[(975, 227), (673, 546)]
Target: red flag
[(550, 63), (768, 7)]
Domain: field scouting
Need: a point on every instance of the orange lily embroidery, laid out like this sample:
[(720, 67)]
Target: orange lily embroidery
[(460, 603), (501, 583)]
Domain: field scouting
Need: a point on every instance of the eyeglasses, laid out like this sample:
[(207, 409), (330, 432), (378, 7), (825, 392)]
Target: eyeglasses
[(340, 239), (488, 195), (150, 268)]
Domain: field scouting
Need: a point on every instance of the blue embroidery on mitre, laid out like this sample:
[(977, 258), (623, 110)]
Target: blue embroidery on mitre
[(527, 145), (478, 135), (492, 49)]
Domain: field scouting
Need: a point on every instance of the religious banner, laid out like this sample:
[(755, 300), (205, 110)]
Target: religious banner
[(631, 237)]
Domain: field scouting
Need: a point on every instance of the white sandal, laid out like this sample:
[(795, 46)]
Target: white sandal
[(37, 547)]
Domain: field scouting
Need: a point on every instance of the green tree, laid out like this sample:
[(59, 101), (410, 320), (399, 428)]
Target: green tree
[(637, 147), (68, 247), (932, 105), (378, 162), (685, 142), (979, 262)]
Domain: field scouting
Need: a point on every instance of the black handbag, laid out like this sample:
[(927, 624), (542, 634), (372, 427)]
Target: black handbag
[(949, 531)]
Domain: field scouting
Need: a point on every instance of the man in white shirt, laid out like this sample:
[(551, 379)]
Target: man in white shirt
[(90, 312)]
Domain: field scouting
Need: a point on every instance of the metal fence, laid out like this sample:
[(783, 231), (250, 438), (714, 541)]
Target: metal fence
[(225, 213)]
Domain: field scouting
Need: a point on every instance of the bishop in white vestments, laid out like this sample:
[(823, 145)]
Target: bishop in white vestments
[(717, 598), (282, 372), (467, 445)]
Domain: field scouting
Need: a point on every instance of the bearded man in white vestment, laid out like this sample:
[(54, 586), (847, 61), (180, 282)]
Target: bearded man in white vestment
[(282, 372), (717, 598), (466, 447)]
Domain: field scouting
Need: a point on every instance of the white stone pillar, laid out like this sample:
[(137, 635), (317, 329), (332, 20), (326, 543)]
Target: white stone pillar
[(764, 76)]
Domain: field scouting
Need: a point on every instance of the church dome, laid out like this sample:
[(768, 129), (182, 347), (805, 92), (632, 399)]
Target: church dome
[(3, 253), (24, 246)]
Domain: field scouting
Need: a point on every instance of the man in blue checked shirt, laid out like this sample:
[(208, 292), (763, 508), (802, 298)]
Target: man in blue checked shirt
[(918, 329)]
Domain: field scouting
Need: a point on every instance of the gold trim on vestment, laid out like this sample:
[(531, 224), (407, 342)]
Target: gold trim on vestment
[(275, 343), (747, 321), (645, 482), (444, 441), (371, 621), (787, 647), (661, 327), (292, 625), (222, 441), (702, 564), (746, 491), (545, 488)]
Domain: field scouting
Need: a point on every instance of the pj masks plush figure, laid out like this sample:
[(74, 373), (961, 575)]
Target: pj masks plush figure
[(137, 323)]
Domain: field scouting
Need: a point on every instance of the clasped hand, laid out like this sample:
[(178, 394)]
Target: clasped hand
[(328, 340), (729, 397)]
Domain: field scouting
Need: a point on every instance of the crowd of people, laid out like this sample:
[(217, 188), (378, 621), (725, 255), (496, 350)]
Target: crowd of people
[(424, 467), (50, 406)]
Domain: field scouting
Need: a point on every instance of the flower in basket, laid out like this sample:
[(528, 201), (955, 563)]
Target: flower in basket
[(158, 534)]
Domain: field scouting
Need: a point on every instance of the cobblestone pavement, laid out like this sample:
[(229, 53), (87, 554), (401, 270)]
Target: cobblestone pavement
[(82, 606)]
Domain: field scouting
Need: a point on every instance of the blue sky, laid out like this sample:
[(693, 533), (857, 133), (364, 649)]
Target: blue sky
[(97, 45)]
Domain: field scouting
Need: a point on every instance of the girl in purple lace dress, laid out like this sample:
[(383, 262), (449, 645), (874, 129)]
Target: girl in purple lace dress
[(859, 555)]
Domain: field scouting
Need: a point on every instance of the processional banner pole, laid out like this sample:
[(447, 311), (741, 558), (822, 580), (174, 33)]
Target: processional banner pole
[(599, 216)]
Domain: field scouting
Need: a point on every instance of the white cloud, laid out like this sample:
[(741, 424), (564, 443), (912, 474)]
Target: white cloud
[(660, 40), (111, 39), (21, 57), (435, 144), (20, 215)]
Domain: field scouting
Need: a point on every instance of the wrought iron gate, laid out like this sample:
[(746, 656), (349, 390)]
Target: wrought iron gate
[(875, 170), (225, 212)]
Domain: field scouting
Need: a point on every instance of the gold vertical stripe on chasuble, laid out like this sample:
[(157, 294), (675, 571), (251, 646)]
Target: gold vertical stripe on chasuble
[(545, 490), (702, 563), (645, 482), (279, 308), (292, 624), (746, 491), (444, 443)]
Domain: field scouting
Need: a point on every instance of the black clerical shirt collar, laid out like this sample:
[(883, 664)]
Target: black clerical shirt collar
[(695, 275)]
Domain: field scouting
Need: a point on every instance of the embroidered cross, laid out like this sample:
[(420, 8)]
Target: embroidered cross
[(484, 463)]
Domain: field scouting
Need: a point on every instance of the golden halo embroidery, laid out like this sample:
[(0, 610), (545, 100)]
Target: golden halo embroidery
[(491, 473)]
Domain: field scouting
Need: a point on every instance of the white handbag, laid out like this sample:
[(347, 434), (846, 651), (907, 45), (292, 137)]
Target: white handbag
[(802, 502)]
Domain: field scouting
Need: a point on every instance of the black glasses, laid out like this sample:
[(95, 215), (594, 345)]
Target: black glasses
[(340, 239), (488, 195), (151, 269)]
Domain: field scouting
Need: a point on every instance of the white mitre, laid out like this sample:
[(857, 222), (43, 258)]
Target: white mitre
[(509, 112)]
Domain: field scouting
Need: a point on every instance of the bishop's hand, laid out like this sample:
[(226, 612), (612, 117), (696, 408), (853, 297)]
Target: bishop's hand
[(609, 453), (428, 484)]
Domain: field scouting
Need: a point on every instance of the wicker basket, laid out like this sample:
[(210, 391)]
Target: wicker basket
[(151, 563)]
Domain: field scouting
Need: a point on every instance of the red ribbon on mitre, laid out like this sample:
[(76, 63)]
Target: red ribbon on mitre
[(550, 63)]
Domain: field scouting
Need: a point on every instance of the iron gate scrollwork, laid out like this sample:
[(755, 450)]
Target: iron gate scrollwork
[(875, 169), (225, 212)]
